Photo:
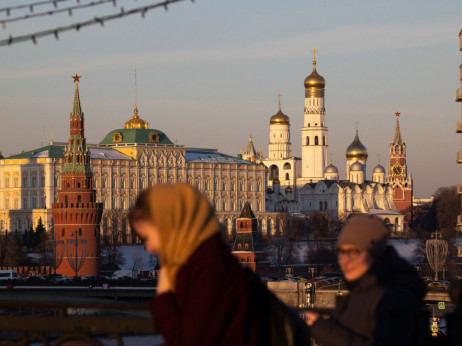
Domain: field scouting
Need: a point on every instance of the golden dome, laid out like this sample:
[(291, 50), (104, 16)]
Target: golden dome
[(279, 117), (315, 80), (356, 149), (136, 122)]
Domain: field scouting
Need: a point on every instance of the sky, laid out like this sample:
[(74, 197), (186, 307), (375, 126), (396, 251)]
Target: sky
[(209, 72)]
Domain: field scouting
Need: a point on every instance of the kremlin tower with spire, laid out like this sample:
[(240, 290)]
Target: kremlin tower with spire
[(76, 214), (399, 177)]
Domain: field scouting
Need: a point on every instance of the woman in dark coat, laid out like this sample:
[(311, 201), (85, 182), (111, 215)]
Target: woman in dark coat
[(384, 303), (202, 295)]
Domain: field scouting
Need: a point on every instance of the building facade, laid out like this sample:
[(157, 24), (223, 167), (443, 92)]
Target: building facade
[(311, 185), (126, 161)]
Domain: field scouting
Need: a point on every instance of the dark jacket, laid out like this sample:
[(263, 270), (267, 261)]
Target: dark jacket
[(382, 308), (210, 305)]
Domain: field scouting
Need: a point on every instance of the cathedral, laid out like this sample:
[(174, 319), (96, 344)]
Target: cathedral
[(309, 184)]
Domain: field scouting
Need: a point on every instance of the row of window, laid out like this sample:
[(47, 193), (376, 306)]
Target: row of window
[(26, 182), (198, 184), (27, 203), (316, 140)]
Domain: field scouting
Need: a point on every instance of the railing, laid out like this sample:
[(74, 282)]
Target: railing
[(459, 220), (459, 127), (459, 95), (24, 322), (459, 157)]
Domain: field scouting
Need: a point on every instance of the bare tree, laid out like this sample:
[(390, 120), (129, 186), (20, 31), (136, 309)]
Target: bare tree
[(111, 254), (138, 261)]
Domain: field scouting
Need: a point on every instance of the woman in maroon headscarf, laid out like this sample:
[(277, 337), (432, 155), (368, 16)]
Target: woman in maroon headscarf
[(203, 294)]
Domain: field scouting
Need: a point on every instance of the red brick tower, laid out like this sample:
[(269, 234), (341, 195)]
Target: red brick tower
[(399, 177), (247, 245), (77, 216)]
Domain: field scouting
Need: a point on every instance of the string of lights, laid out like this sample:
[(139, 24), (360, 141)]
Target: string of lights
[(49, 13), (77, 26), (34, 4)]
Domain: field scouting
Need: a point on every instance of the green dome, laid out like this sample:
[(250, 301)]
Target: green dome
[(140, 136)]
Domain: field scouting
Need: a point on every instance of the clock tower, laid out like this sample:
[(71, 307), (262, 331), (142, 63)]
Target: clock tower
[(398, 175)]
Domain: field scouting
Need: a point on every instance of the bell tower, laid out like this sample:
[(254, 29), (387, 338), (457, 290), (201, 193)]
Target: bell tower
[(314, 130), (76, 215), (398, 175)]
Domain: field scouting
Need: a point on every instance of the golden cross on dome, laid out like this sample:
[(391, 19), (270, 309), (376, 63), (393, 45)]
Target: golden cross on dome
[(314, 51), (357, 123), (397, 113), (279, 98), (76, 78)]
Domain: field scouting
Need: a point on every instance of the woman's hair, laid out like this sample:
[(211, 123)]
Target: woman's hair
[(141, 210)]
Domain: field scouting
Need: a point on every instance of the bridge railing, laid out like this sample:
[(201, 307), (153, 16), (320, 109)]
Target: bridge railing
[(26, 322)]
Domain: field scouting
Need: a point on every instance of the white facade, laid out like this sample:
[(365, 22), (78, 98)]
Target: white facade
[(314, 130), (280, 162), (279, 146), (308, 185)]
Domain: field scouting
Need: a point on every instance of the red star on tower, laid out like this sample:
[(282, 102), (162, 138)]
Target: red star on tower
[(76, 78)]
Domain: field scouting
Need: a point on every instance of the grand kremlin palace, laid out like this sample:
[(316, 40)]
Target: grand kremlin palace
[(125, 162)]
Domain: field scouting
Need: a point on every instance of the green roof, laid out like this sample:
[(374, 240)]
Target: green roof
[(141, 136), (251, 239), (51, 151)]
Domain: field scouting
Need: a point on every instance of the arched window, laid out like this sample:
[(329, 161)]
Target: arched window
[(287, 176), (323, 140), (309, 125), (287, 165), (316, 140), (65, 199), (80, 232), (320, 205), (79, 199), (274, 172), (325, 205), (307, 140), (241, 224), (63, 232)]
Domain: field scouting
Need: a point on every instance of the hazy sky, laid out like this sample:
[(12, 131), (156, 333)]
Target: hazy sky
[(212, 70)]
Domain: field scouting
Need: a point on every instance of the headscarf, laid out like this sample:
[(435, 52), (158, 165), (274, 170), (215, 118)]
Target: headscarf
[(185, 220)]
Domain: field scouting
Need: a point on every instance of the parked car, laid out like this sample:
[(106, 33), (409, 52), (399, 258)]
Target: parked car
[(8, 274), (61, 278)]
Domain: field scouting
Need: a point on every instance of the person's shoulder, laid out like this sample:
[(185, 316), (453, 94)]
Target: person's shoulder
[(213, 259)]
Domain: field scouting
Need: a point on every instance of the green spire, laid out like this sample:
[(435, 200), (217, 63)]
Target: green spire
[(76, 154), (76, 108)]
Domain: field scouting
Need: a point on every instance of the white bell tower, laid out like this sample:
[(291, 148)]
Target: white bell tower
[(314, 130)]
